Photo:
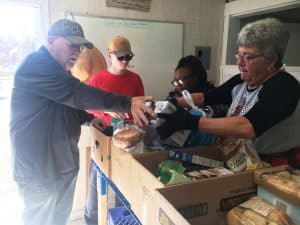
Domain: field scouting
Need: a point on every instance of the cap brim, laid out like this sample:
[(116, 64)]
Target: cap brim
[(121, 53), (77, 40)]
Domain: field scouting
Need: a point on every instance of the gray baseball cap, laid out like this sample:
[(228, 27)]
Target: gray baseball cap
[(70, 30)]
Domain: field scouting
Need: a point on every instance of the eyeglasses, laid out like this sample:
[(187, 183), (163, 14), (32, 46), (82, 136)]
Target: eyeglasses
[(126, 57), (177, 82), (247, 58)]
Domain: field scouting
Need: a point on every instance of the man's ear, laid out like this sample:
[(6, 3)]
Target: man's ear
[(51, 39)]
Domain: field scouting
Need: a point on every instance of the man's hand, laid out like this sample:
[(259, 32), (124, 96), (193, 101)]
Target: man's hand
[(179, 120), (139, 110), (98, 123)]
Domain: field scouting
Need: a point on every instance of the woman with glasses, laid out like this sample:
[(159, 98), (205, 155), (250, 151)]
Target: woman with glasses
[(191, 75), (263, 98), (117, 79)]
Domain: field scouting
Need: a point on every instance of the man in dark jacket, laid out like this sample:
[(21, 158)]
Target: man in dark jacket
[(47, 109)]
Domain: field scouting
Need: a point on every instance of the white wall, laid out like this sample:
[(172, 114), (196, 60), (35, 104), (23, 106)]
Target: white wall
[(203, 21), (293, 48)]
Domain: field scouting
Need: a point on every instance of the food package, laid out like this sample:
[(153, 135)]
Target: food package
[(239, 154), (257, 212), (285, 182), (129, 138), (90, 61), (171, 172)]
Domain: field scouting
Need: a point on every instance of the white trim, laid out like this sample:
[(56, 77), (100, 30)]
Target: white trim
[(243, 8)]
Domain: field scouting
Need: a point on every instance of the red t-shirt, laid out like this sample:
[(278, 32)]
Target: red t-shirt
[(129, 84)]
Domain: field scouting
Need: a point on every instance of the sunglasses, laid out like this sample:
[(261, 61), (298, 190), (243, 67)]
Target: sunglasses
[(126, 57)]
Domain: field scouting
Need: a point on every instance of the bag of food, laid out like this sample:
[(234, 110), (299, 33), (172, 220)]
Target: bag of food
[(285, 181), (239, 154), (129, 138), (257, 212)]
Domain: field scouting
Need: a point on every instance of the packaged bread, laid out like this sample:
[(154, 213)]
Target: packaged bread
[(127, 137), (239, 154), (257, 212), (286, 181)]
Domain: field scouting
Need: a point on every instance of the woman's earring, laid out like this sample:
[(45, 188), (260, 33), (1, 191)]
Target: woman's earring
[(269, 70)]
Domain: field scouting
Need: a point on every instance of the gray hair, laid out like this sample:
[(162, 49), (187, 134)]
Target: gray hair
[(269, 36)]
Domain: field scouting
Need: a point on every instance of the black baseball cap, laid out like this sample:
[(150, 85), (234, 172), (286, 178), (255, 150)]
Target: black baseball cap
[(70, 30)]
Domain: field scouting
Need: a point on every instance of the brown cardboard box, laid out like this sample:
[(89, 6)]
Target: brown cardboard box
[(144, 182), (134, 175), (101, 150), (203, 202)]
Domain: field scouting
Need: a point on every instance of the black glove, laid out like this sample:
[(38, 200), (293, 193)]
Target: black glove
[(173, 101), (179, 120)]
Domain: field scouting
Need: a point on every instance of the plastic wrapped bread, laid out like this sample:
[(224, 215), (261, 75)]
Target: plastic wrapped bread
[(257, 212), (287, 181), (127, 137), (239, 154)]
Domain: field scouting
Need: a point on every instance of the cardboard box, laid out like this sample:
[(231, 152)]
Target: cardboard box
[(144, 181), (101, 149), (134, 175), (203, 202)]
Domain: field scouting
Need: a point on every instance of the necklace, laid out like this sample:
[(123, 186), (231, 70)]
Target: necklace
[(244, 101)]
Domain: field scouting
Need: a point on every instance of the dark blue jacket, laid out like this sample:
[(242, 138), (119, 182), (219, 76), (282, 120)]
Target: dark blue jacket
[(46, 113)]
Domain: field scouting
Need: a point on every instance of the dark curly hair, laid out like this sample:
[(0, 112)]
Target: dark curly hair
[(197, 69)]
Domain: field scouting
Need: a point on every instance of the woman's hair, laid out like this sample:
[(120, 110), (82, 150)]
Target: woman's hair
[(269, 36), (197, 69)]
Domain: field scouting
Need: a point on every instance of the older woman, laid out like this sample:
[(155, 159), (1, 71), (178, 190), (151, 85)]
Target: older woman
[(260, 97)]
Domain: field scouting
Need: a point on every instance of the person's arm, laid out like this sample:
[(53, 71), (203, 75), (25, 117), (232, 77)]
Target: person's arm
[(236, 126), (217, 96), (46, 78), (42, 76)]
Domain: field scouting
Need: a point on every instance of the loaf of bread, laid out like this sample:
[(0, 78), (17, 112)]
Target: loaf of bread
[(257, 212), (285, 181), (127, 137)]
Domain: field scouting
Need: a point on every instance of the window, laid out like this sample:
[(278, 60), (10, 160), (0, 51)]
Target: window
[(21, 32)]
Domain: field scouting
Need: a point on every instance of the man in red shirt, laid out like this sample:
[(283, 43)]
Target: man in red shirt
[(118, 79)]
